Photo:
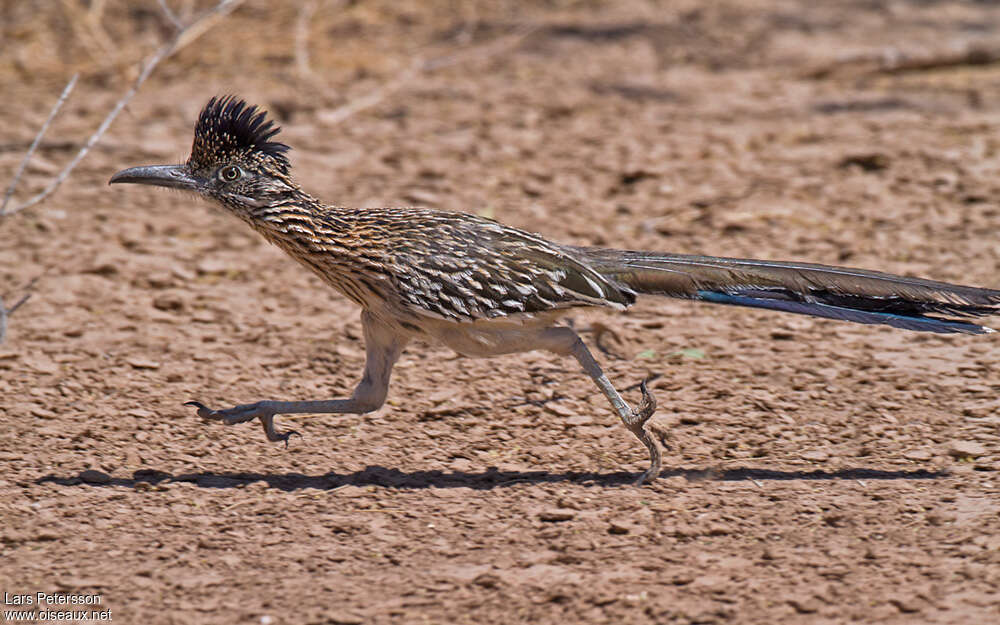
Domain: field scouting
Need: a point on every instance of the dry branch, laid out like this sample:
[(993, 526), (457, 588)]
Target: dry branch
[(5, 313), (971, 56), (171, 15), (484, 51), (306, 13), (86, 27), (34, 144), (420, 67), (182, 37), (894, 61), (3, 320)]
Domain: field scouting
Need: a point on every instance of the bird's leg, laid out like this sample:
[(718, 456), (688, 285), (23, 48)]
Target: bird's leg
[(565, 341), (383, 345)]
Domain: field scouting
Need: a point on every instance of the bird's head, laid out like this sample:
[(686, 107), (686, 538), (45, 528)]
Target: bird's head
[(233, 159)]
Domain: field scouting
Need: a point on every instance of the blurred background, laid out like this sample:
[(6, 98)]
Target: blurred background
[(641, 119)]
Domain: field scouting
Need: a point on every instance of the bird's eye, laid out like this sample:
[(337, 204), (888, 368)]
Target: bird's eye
[(230, 173)]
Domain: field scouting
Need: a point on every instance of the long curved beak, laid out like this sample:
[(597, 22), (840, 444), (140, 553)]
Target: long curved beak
[(173, 176)]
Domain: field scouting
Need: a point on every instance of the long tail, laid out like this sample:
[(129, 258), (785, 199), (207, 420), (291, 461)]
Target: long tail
[(833, 292)]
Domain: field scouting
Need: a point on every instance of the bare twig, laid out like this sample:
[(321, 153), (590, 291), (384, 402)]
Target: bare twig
[(201, 24), (96, 10), (93, 21), (895, 61), (24, 298), (34, 144), (5, 313), (185, 34), (171, 16), (420, 67), (183, 37), (373, 97), (484, 51), (87, 28), (971, 55), (306, 13)]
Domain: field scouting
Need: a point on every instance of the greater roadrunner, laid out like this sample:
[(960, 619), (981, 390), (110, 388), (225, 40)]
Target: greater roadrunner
[(485, 289)]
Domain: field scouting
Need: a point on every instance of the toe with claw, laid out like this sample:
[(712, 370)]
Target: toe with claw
[(637, 424), (274, 435), (229, 416), (244, 413)]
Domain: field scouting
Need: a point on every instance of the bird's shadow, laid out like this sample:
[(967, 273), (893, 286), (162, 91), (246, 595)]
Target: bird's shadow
[(489, 479)]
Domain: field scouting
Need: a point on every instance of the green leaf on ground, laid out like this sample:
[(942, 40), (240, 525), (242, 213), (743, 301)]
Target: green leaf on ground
[(690, 352)]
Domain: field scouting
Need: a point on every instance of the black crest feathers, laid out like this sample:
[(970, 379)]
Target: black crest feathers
[(230, 128)]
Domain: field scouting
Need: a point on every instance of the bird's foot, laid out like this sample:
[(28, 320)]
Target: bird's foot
[(639, 416), (231, 416), (636, 423), (244, 413), (274, 435)]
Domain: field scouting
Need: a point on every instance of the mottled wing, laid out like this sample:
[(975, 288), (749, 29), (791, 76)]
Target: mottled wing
[(460, 267)]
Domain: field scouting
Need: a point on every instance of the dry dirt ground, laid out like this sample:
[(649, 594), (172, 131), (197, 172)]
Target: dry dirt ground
[(817, 472)]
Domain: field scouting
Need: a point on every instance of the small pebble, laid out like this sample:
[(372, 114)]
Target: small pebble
[(966, 449), (816, 455), (556, 516)]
